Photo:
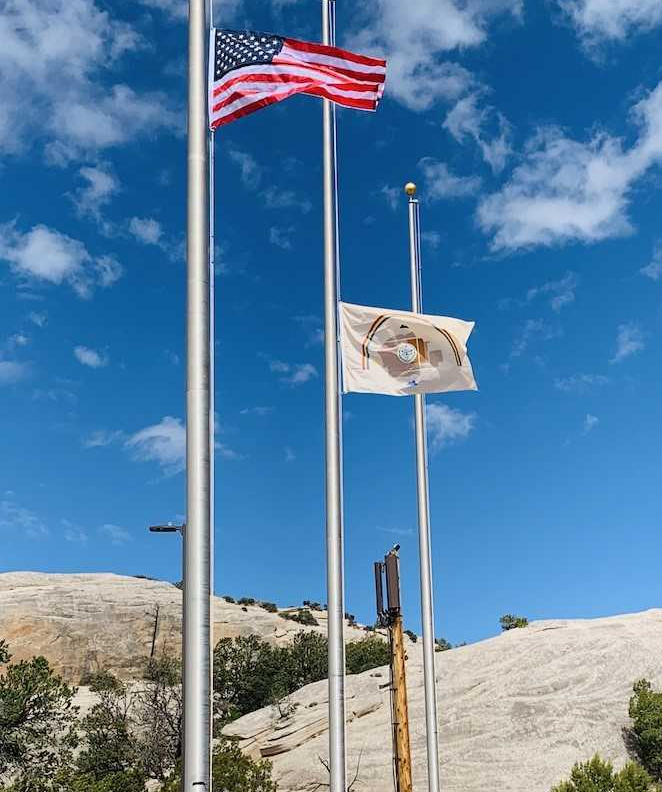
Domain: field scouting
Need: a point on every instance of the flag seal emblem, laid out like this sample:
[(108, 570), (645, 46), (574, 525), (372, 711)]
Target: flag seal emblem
[(407, 353)]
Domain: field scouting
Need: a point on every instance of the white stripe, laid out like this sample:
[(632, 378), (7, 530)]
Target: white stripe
[(252, 98), (284, 71), (329, 60), (242, 101), (256, 95), (264, 85)]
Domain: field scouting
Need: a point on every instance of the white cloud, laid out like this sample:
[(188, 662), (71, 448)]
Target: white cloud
[(52, 54), (290, 456), (164, 443), (312, 327), (565, 190), (629, 340), (414, 37), (38, 318), (653, 269), (392, 196), (146, 230), (74, 534), (281, 237), (431, 238), (99, 188), (580, 383), (600, 20), (15, 518), (275, 198), (259, 411), (116, 534), (11, 372), (441, 183), (560, 292), (293, 373), (43, 254), (590, 422), (250, 171), (17, 340), (532, 330), (101, 438), (90, 357), (447, 425), (487, 127)]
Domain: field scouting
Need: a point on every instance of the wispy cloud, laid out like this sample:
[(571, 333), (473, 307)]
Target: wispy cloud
[(258, 411), (90, 357), (43, 255), (590, 422), (11, 371), (312, 327), (597, 21), (146, 230), (566, 190), (532, 330), (16, 519), (163, 443), (415, 37), (447, 425), (101, 438), (441, 183), (396, 531), (281, 237), (289, 454), (253, 176), (293, 373), (560, 293), (653, 269), (116, 534), (580, 383), (630, 339), (470, 119)]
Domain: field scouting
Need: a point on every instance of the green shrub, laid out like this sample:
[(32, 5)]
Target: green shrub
[(37, 718), (246, 601), (441, 645), (598, 776), (369, 652), (646, 713), (305, 617), (411, 635), (232, 771), (510, 622), (229, 599), (269, 606)]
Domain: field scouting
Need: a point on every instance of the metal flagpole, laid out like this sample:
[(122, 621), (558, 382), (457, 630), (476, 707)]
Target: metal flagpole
[(425, 556), (197, 536), (334, 516)]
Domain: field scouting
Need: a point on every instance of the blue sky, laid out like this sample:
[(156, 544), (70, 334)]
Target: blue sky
[(534, 131)]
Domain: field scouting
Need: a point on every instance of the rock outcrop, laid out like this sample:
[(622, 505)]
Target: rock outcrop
[(515, 712), (84, 623)]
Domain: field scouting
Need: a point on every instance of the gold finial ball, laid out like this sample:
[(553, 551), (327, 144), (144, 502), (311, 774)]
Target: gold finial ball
[(410, 188)]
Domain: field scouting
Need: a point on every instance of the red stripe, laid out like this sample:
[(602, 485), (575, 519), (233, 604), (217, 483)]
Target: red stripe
[(248, 109), (345, 101), (329, 91), (298, 81), (334, 52), (276, 79), (327, 69)]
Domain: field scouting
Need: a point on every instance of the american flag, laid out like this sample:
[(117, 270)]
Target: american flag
[(250, 70)]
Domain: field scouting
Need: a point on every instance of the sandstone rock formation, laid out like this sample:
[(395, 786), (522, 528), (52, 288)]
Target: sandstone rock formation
[(515, 712), (84, 623)]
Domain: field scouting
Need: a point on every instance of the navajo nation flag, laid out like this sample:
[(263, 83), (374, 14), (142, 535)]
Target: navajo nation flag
[(249, 70)]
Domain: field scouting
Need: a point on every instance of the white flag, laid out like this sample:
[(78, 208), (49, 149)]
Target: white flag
[(401, 353)]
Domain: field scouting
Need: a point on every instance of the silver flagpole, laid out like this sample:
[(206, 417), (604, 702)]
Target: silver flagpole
[(197, 536), (334, 517), (425, 556)]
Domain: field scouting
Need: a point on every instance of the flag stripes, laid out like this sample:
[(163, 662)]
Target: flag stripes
[(250, 70)]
